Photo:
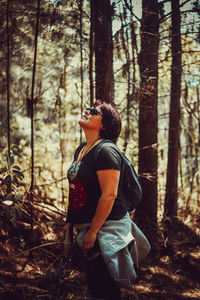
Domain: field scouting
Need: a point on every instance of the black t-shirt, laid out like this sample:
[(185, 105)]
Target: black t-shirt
[(84, 188)]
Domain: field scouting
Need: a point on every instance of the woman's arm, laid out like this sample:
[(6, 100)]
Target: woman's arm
[(108, 180)]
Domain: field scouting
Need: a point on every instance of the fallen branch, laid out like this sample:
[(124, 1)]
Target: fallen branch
[(37, 247)]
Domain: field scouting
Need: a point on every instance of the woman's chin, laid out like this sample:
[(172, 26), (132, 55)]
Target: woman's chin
[(81, 121)]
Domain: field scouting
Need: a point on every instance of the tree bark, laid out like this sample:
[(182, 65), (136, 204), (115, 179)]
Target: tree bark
[(91, 53), (32, 110), (146, 213), (198, 144), (127, 74), (81, 57), (170, 207), (103, 47), (8, 77)]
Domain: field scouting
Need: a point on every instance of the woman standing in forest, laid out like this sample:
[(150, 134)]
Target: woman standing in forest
[(95, 207)]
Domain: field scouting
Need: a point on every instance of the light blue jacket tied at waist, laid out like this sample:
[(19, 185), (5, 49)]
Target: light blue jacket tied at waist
[(114, 238)]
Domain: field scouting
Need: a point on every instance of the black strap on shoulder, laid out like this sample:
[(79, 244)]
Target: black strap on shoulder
[(106, 143)]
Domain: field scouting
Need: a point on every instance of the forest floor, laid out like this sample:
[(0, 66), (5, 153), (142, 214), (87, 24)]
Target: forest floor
[(32, 266)]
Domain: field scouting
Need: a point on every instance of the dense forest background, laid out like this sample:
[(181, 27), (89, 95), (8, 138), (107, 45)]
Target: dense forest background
[(56, 58)]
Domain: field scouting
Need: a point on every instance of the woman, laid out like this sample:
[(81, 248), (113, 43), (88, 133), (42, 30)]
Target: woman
[(95, 207)]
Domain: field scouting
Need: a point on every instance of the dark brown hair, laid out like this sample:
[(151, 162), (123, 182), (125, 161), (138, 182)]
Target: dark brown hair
[(111, 121)]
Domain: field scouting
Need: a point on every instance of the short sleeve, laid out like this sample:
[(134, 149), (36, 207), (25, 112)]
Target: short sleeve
[(108, 158)]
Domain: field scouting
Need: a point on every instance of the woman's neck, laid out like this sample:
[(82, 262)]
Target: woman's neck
[(91, 141), (91, 137)]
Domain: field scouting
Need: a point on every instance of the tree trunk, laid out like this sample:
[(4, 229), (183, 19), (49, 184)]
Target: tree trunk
[(63, 128), (8, 77), (146, 213), (127, 75), (103, 47), (81, 58), (91, 53), (170, 208), (32, 111), (198, 146)]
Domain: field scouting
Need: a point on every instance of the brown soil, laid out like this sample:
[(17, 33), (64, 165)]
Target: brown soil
[(32, 266)]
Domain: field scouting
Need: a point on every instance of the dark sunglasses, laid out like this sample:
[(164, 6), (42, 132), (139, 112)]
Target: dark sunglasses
[(93, 111)]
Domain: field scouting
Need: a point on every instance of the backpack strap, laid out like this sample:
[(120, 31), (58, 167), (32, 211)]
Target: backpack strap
[(104, 144)]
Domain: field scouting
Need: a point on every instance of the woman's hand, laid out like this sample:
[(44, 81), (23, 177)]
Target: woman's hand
[(89, 240)]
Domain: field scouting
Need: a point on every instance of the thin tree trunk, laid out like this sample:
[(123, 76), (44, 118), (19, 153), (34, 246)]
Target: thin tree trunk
[(32, 110), (8, 78), (198, 145), (103, 45), (146, 213), (189, 135), (170, 207), (134, 58), (63, 129), (81, 56), (134, 49), (127, 74), (91, 53)]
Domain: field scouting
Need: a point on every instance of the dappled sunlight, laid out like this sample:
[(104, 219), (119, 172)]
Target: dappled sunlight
[(57, 57)]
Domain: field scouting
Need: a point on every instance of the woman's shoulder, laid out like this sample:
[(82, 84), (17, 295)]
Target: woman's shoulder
[(109, 149), (108, 155)]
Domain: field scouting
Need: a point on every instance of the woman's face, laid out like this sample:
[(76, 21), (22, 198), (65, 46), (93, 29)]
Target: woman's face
[(92, 119)]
